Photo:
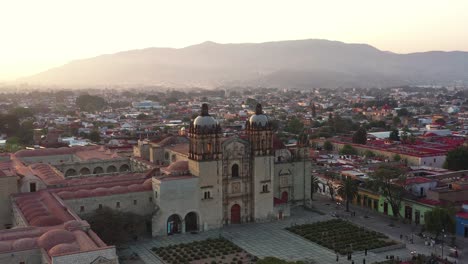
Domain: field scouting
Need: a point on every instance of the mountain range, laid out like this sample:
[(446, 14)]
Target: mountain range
[(301, 64)]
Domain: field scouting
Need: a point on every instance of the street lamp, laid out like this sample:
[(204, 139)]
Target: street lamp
[(443, 241)]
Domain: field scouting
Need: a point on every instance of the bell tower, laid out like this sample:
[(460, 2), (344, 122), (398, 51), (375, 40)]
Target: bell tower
[(204, 134), (259, 130)]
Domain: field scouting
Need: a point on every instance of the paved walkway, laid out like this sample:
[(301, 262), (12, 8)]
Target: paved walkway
[(267, 239), (381, 223)]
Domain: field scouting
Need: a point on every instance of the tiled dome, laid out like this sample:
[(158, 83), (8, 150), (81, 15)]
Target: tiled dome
[(178, 166), (64, 248), (24, 243), (100, 191), (4, 246), (55, 237), (72, 225), (136, 188), (118, 189), (45, 221)]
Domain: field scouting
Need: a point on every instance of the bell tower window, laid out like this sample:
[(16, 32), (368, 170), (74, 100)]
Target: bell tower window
[(235, 171)]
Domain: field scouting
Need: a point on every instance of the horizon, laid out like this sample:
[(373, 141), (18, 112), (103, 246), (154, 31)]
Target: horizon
[(41, 35)]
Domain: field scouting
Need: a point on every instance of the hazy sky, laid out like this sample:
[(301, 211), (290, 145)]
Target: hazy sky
[(38, 34)]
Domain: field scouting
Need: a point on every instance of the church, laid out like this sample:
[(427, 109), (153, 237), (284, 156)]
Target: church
[(194, 182), (207, 180)]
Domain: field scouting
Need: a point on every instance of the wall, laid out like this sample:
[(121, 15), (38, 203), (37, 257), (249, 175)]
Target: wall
[(18, 220), (143, 206), (106, 255), (209, 174), (32, 256), (178, 196), (461, 225), (447, 195), (263, 173), (416, 188), (8, 186)]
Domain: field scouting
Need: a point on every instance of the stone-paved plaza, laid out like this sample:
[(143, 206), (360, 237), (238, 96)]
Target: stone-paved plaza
[(271, 239)]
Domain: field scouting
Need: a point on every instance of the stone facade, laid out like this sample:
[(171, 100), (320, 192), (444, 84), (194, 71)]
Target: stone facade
[(140, 203), (8, 186), (227, 180)]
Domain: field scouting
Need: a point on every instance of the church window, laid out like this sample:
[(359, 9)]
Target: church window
[(117, 204), (155, 194), (135, 202), (100, 206), (81, 208), (151, 198), (32, 187), (265, 188), (235, 171), (207, 195)]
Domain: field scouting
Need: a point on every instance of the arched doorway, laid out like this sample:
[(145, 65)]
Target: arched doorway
[(174, 224), (235, 171), (235, 214), (191, 222), (98, 170), (111, 169), (70, 172), (85, 171), (284, 196), (124, 168)]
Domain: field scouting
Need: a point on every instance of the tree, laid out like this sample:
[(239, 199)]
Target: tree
[(369, 154), (90, 103), (360, 136), (116, 227), (396, 121), (440, 220), (348, 150), (141, 116), (403, 112), (314, 186), (404, 135), (396, 157), (94, 136), (294, 126), (347, 190), (457, 159), (328, 146), (314, 112), (386, 179), (331, 176), (394, 135)]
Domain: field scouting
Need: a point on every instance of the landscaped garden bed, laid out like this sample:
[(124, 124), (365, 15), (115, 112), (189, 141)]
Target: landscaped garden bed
[(210, 251), (342, 236)]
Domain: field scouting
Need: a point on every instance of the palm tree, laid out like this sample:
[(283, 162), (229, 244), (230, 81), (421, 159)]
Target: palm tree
[(347, 190), (314, 186), (331, 176)]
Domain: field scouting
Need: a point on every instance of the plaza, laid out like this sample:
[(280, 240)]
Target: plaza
[(272, 239)]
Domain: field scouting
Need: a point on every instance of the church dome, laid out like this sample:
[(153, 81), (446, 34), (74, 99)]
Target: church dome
[(204, 119), (63, 248), (259, 118), (54, 237)]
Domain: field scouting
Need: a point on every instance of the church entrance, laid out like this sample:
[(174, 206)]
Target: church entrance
[(191, 222), (285, 196), (174, 224), (235, 214)]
